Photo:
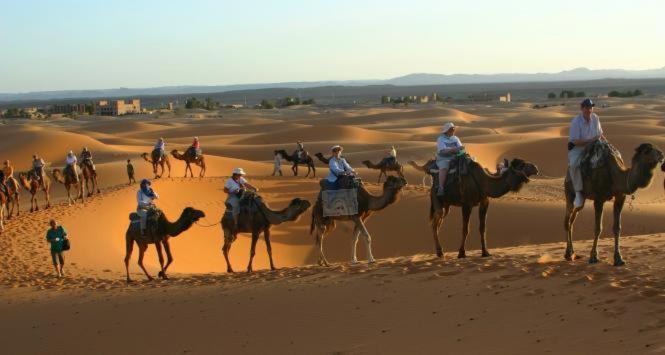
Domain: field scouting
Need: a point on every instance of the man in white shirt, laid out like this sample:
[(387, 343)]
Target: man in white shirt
[(584, 129), (447, 147), (338, 166), (71, 163), (234, 187)]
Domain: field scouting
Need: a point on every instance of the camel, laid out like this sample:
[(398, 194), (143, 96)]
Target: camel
[(293, 158), (34, 185), (258, 221), (69, 180), (89, 179), (612, 181), (164, 231), (189, 159), (367, 205), (426, 168), (3, 203), (157, 160), (475, 189), (13, 197), (385, 168)]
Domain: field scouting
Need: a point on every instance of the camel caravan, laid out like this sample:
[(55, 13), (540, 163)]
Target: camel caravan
[(596, 171)]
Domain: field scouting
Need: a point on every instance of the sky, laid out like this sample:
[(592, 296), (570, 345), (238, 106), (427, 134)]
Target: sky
[(95, 44)]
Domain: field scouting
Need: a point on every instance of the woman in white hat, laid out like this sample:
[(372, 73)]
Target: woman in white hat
[(338, 166), (447, 146), (234, 187)]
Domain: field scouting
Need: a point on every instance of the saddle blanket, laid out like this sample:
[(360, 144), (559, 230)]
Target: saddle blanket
[(343, 202)]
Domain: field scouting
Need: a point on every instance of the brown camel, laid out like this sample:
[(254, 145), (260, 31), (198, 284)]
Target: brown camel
[(257, 221), (189, 159), (385, 168), (70, 182), (160, 237), (367, 205), (612, 181), (34, 185), (89, 179), (156, 159), (426, 168), (296, 160), (13, 197), (475, 189), (3, 203)]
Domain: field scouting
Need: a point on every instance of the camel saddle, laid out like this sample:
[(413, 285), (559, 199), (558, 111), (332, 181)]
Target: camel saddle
[(342, 200), (389, 162), (151, 225), (458, 167), (597, 155)]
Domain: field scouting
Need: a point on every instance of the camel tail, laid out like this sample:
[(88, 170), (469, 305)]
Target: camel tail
[(57, 174)]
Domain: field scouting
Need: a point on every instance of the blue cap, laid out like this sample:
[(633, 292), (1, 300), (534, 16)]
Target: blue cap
[(587, 103), (145, 182)]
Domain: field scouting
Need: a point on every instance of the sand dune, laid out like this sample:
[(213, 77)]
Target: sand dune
[(525, 292)]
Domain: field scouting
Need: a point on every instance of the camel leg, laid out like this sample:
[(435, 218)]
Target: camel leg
[(435, 224), (48, 199), (228, 240), (320, 234), (598, 207), (571, 215), (142, 249), (354, 244), (368, 239), (168, 165), (252, 250), (466, 216), (128, 254), (169, 256), (266, 235), (618, 206), (160, 256), (313, 170), (482, 217)]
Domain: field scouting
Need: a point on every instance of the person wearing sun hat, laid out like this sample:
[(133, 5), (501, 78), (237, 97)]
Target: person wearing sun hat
[(447, 147), (339, 167), (584, 129), (234, 187)]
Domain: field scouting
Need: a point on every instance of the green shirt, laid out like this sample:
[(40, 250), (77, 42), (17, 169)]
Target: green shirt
[(56, 237), (130, 169)]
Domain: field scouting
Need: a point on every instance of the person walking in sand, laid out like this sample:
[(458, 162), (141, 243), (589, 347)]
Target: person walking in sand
[(57, 237), (584, 129), (278, 164), (447, 147), (130, 172)]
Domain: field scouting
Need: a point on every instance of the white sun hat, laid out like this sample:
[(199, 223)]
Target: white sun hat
[(448, 126), (238, 171), (337, 146)]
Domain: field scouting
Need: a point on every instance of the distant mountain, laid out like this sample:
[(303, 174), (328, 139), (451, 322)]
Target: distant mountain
[(578, 74)]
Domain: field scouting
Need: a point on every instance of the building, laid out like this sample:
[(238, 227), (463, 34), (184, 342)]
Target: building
[(505, 98), (435, 97), (423, 99), (117, 107), (67, 108), (170, 106)]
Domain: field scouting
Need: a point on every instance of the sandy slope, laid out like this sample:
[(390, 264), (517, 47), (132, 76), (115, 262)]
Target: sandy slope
[(524, 299)]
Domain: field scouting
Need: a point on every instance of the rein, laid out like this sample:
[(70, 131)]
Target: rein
[(207, 226)]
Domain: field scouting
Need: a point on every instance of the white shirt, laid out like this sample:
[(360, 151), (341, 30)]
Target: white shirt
[(337, 167), (393, 153), (71, 159), (447, 142), (145, 200), (581, 129), (234, 186)]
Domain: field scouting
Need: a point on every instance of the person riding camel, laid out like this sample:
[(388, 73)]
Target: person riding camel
[(447, 147), (300, 150), (339, 168), (7, 174), (234, 187), (86, 158), (161, 146), (391, 158), (584, 129), (38, 165), (145, 197), (71, 164), (196, 147)]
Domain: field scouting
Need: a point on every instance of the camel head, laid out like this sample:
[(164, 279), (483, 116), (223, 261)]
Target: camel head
[(284, 154), (191, 215), (319, 155), (648, 155), (395, 183), (519, 173), (296, 208)]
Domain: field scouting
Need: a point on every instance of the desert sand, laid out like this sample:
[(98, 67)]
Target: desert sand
[(523, 299)]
